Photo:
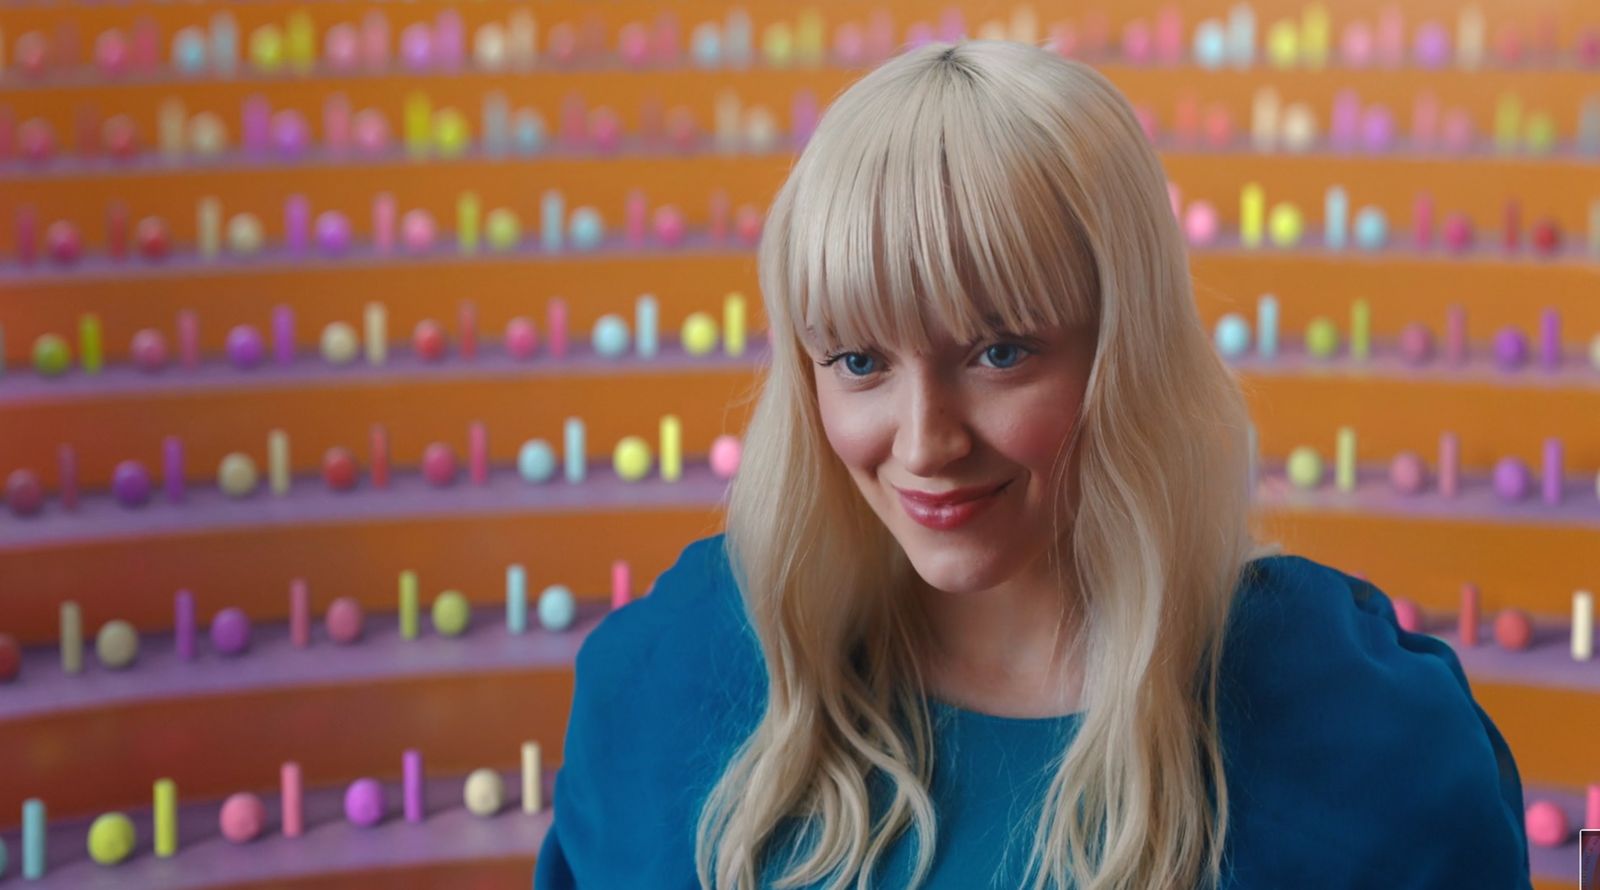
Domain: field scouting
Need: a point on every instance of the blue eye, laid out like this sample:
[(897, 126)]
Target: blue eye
[(1014, 348), (858, 363)]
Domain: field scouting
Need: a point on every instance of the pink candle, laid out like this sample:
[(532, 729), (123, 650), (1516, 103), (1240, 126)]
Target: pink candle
[(68, 461), (1449, 464), (1425, 120), (1551, 472), (557, 329), (1469, 615), (380, 456), (621, 584), (336, 122), (469, 329), (637, 209), (1591, 809), (1455, 334), (296, 222), (283, 334), (573, 129), (383, 221), (478, 453), (1513, 225), (719, 215), (447, 39), (299, 614), (146, 44), (411, 769), (1550, 339), (293, 816), (189, 339), (1422, 221), (257, 123), (375, 40), (183, 625), (117, 230), (172, 468)]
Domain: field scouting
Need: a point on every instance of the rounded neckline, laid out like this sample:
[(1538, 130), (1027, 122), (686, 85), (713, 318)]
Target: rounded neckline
[(998, 719)]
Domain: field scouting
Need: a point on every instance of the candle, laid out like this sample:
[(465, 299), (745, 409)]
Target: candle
[(166, 818), (1360, 330), (408, 605), (67, 460), (89, 347), (71, 638), (383, 222), (1314, 28), (411, 769), (516, 599), (496, 113), (478, 453), (278, 461), (257, 116), (172, 120), (556, 328), (671, 447), (290, 797), (1241, 36), (1550, 339), (467, 316), (572, 437), (448, 43), (550, 219), (646, 317), (1264, 119), (532, 787), (1267, 326), (172, 467), (1449, 464), (1345, 460), (33, 839), (522, 39), (621, 586), (1591, 808), (1251, 201), (1469, 615), (467, 213), (299, 614), (418, 123), (1582, 625), (726, 120), (1422, 221), (296, 223), (733, 324), (635, 215), (380, 456), (117, 230), (300, 43), (183, 625), (208, 235), (376, 334), (283, 333), (1551, 472)]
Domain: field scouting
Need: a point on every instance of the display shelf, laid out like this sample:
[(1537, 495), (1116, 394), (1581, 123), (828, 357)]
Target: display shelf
[(1556, 863), (329, 844), (1476, 500)]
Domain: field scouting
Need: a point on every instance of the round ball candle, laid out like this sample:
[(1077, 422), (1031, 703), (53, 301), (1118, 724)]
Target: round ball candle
[(1513, 630), (1232, 335), (439, 465), (245, 347), (699, 335), (1547, 824), (1408, 615), (1407, 473), (339, 469), (1512, 479), (245, 235), (1371, 228), (237, 475), (242, 817), (669, 224), (117, 644), (429, 340), (724, 457), (631, 458), (51, 355), (557, 608), (364, 803), (230, 631), (111, 838), (522, 338), (484, 792), (610, 337), (1510, 348), (339, 344), (344, 620), (1322, 338), (536, 461), (451, 613), (24, 492), (1305, 467), (149, 350)]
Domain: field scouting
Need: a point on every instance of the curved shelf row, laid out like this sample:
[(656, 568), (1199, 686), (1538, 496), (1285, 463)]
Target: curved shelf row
[(188, 262), (25, 387)]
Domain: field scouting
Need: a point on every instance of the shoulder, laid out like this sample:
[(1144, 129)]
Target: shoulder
[(1347, 735)]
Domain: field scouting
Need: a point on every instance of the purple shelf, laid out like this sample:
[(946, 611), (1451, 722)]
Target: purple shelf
[(1386, 363), (23, 387), (310, 503), (1547, 663), (278, 259), (1556, 863), (273, 663), (1474, 502), (329, 844)]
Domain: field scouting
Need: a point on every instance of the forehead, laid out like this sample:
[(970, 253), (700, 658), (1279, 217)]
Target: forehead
[(825, 336)]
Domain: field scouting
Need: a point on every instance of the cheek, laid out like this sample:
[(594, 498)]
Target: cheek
[(851, 429), (1031, 431)]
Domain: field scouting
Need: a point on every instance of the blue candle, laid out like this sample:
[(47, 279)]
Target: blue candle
[(495, 115), (1335, 218), (32, 839), (516, 599), (1267, 326), (573, 439), (646, 314), (551, 220)]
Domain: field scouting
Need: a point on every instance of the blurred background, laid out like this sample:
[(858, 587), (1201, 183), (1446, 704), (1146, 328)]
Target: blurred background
[(358, 357)]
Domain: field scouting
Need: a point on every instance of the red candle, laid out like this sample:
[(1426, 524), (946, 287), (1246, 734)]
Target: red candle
[(380, 457)]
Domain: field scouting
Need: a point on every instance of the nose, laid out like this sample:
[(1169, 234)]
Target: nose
[(932, 427)]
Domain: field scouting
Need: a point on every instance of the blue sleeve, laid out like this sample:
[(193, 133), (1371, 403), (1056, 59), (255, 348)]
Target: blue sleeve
[(1362, 757)]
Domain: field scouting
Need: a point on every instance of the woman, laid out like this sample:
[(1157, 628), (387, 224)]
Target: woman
[(1088, 674)]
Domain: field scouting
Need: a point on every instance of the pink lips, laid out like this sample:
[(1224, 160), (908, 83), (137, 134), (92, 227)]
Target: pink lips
[(949, 510)]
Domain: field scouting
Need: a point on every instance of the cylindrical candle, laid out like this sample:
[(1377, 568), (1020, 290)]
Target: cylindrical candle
[(1582, 625), (380, 456), (411, 780), (1422, 221), (532, 788), (189, 339), (1241, 35), (556, 328), (1469, 37), (621, 584), (467, 316), (208, 227), (183, 625), (551, 215), (289, 796), (725, 120), (1551, 471), (719, 215), (283, 333), (1449, 464), (1511, 233), (733, 323), (646, 318), (170, 125), (224, 43), (1314, 27), (375, 40), (91, 355), (636, 211), (468, 212), (1455, 334), (117, 230), (478, 453), (1345, 459), (1267, 326), (71, 638), (336, 123), (671, 448), (496, 113), (33, 839), (418, 123), (278, 461), (300, 41), (516, 599), (1550, 339), (408, 605), (384, 212), (1360, 330), (296, 223), (572, 439), (1336, 213), (1469, 615), (172, 468), (1264, 118), (166, 818), (299, 613), (375, 337), (1424, 120), (67, 463), (1591, 806)]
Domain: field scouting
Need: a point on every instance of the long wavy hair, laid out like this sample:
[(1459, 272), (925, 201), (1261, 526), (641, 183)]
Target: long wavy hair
[(951, 182)]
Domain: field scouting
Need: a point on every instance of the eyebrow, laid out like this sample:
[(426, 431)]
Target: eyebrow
[(993, 318)]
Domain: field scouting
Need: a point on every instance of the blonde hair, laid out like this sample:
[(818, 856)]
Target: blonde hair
[(952, 182)]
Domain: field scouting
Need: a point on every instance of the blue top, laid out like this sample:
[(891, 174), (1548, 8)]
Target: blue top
[(1355, 753)]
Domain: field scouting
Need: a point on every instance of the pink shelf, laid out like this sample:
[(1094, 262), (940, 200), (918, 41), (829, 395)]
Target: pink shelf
[(329, 844)]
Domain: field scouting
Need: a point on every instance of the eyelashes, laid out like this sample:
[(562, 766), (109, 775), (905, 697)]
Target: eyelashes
[(830, 358)]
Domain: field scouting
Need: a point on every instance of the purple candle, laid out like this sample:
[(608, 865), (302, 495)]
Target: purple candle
[(411, 767), (130, 483), (1455, 334), (257, 124), (230, 631), (363, 802), (1449, 464), (296, 222), (172, 467), (1510, 348), (183, 624), (1551, 471), (68, 461), (1550, 339), (1346, 118), (283, 334), (1511, 479)]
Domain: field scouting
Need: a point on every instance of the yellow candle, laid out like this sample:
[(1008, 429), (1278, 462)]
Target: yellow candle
[(278, 461), (1314, 35), (671, 448), (1345, 461), (1360, 329), (467, 213), (302, 41), (377, 333), (532, 784), (733, 324), (209, 234), (71, 638), (89, 351), (173, 121), (1251, 203), (419, 123), (408, 605), (166, 818), (809, 39)]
